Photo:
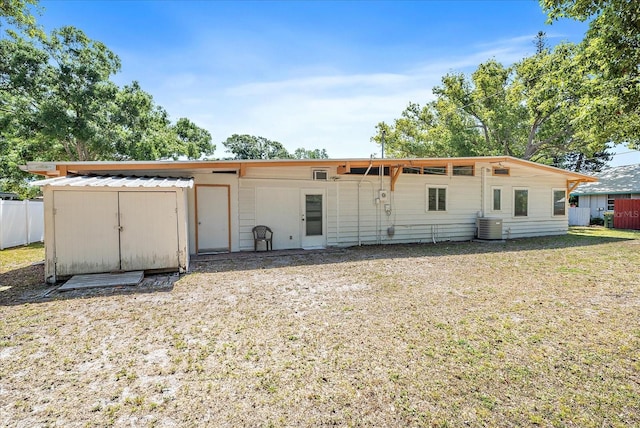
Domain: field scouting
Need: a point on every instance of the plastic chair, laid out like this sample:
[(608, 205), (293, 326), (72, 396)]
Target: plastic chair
[(264, 234)]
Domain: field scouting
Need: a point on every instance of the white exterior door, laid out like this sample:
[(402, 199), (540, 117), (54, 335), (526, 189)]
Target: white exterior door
[(213, 219), (86, 232), (313, 219), (148, 230)]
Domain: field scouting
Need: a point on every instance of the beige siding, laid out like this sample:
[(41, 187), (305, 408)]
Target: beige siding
[(353, 217)]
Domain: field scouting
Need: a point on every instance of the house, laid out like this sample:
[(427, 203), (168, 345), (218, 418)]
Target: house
[(622, 182), (106, 216)]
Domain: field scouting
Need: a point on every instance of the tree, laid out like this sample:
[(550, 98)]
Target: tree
[(252, 147), (74, 111), (17, 13), (57, 102), (302, 153), (611, 53), (533, 110), (144, 131), (193, 140)]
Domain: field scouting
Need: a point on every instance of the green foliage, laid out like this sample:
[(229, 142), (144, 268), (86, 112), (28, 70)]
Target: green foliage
[(548, 108), (302, 153), (611, 54), (57, 102), (17, 13), (252, 147)]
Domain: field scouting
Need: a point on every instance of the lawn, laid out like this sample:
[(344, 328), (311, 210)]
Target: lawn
[(542, 331)]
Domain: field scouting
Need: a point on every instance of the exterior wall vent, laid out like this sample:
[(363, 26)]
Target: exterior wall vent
[(489, 228)]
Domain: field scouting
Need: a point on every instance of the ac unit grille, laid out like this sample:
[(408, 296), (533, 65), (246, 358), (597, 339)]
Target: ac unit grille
[(489, 228)]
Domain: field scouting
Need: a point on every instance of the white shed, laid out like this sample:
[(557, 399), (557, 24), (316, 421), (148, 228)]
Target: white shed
[(97, 224)]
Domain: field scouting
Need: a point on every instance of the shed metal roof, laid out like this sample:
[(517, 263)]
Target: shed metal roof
[(115, 181), (621, 179)]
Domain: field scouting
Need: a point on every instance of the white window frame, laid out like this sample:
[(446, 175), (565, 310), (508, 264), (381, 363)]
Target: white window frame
[(513, 201), (493, 189), (446, 198), (313, 174), (553, 202)]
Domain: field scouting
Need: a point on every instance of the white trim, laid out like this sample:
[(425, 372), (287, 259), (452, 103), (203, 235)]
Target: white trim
[(446, 198), (513, 202), (553, 202), (500, 188)]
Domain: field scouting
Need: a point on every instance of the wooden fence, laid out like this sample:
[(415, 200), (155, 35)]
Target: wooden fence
[(21, 222), (626, 214)]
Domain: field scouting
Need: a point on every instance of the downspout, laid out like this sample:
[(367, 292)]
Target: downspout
[(483, 192), (378, 214), (359, 183)]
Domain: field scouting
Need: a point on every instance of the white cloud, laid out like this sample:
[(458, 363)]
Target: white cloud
[(322, 109)]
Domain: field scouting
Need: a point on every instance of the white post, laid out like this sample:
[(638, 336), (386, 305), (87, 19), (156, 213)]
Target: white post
[(1, 224), (26, 222)]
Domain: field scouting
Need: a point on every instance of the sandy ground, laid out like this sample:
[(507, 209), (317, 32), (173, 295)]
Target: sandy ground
[(515, 334)]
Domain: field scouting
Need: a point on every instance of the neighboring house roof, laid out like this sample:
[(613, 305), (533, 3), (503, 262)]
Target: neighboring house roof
[(9, 196), (621, 179), (110, 181)]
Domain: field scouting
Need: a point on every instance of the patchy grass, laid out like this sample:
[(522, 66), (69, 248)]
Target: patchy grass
[(532, 332), (20, 270), (17, 257)]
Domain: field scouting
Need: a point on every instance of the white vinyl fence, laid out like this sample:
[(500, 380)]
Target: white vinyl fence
[(21, 222), (579, 216)]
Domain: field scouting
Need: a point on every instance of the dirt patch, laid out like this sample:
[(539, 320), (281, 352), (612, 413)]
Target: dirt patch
[(532, 332)]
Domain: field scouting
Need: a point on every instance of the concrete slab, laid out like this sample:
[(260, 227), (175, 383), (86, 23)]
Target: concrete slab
[(102, 280)]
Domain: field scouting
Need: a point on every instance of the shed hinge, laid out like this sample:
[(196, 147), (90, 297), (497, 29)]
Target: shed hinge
[(55, 211), (176, 210)]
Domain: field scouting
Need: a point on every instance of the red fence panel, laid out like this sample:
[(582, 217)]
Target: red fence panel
[(626, 214)]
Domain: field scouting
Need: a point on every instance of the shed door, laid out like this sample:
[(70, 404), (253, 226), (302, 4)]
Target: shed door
[(148, 230), (86, 232)]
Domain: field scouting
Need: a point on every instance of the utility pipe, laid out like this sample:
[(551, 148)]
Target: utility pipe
[(359, 183)]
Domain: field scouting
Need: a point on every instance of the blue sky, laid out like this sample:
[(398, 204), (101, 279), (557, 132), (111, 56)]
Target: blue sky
[(308, 74)]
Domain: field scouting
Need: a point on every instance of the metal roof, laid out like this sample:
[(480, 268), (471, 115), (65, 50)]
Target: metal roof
[(621, 179), (115, 181)]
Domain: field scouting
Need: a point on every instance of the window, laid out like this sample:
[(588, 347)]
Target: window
[(463, 170), (320, 174), (435, 170), (436, 199), (520, 202), (559, 202), (611, 199), (429, 170), (497, 199), (371, 171), (411, 170), (500, 171)]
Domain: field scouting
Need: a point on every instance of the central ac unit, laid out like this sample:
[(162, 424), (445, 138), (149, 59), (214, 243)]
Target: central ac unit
[(489, 228)]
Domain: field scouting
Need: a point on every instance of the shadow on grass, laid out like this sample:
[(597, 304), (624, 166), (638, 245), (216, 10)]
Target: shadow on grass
[(579, 237), (26, 286)]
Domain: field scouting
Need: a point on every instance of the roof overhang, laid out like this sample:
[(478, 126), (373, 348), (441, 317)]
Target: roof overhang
[(56, 169), (343, 166)]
